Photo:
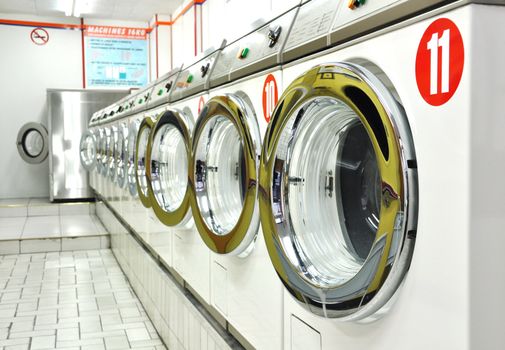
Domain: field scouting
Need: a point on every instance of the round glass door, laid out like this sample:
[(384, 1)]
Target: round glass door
[(32, 143), (121, 155), (88, 149), (131, 143), (339, 184), (112, 153), (105, 145), (167, 167), (140, 161), (224, 175)]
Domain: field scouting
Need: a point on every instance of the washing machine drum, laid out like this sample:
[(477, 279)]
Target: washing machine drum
[(167, 167), (88, 150), (338, 191), (224, 175), (121, 156), (141, 148)]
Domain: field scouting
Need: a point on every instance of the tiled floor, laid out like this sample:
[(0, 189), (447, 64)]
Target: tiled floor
[(70, 300), (36, 225)]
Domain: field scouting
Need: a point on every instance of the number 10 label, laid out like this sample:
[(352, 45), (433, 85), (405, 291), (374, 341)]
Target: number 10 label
[(439, 62)]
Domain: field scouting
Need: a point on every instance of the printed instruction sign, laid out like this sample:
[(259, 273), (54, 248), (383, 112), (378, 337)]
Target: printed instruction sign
[(116, 56)]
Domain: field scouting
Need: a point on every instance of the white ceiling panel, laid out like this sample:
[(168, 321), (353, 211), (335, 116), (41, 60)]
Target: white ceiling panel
[(137, 10)]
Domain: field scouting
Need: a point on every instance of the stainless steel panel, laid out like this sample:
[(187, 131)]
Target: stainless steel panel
[(311, 29), (195, 78), (264, 46), (69, 112), (162, 88)]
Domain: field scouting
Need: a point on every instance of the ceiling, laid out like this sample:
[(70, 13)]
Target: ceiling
[(137, 10)]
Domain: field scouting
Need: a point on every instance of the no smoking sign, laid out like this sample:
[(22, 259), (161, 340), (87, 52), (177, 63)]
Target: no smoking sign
[(39, 36), (439, 62)]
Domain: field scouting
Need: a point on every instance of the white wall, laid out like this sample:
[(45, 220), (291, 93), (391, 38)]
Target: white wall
[(183, 37), (163, 57), (26, 71), (217, 20)]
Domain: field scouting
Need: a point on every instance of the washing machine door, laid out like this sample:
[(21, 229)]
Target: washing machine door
[(99, 154), (167, 167), (105, 151), (121, 155), (33, 143), (88, 150), (140, 161), (224, 175), (133, 130), (114, 139), (339, 191)]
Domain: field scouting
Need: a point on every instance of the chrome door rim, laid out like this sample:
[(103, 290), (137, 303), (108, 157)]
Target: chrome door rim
[(385, 267), (24, 151), (183, 123), (133, 129), (91, 163), (143, 135), (112, 165), (240, 239), (122, 156), (105, 145)]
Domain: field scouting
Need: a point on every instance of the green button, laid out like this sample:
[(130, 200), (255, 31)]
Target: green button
[(190, 78), (244, 53), (140, 101), (160, 92), (361, 2)]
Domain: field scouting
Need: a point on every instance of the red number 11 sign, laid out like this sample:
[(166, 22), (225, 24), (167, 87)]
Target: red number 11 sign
[(439, 62)]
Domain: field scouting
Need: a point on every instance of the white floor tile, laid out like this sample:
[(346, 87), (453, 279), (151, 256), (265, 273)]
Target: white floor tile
[(78, 225), (40, 209), (47, 342), (13, 211), (42, 227), (40, 245), (80, 243), (11, 228), (74, 209), (9, 247)]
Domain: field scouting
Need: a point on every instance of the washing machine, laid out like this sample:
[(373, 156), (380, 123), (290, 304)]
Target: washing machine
[(88, 149), (134, 213), (190, 258), (380, 192), (224, 178), (105, 137), (121, 156)]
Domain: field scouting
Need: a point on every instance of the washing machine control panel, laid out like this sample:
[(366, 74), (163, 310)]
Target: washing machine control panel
[(311, 28), (221, 72), (194, 79), (141, 98), (162, 89), (260, 49), (358, 16)]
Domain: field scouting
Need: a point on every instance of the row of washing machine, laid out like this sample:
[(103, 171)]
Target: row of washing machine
[(293, 170)]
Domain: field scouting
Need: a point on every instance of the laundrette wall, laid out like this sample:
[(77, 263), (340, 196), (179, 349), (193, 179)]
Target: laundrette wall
[(27, 70), (205, 25)]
